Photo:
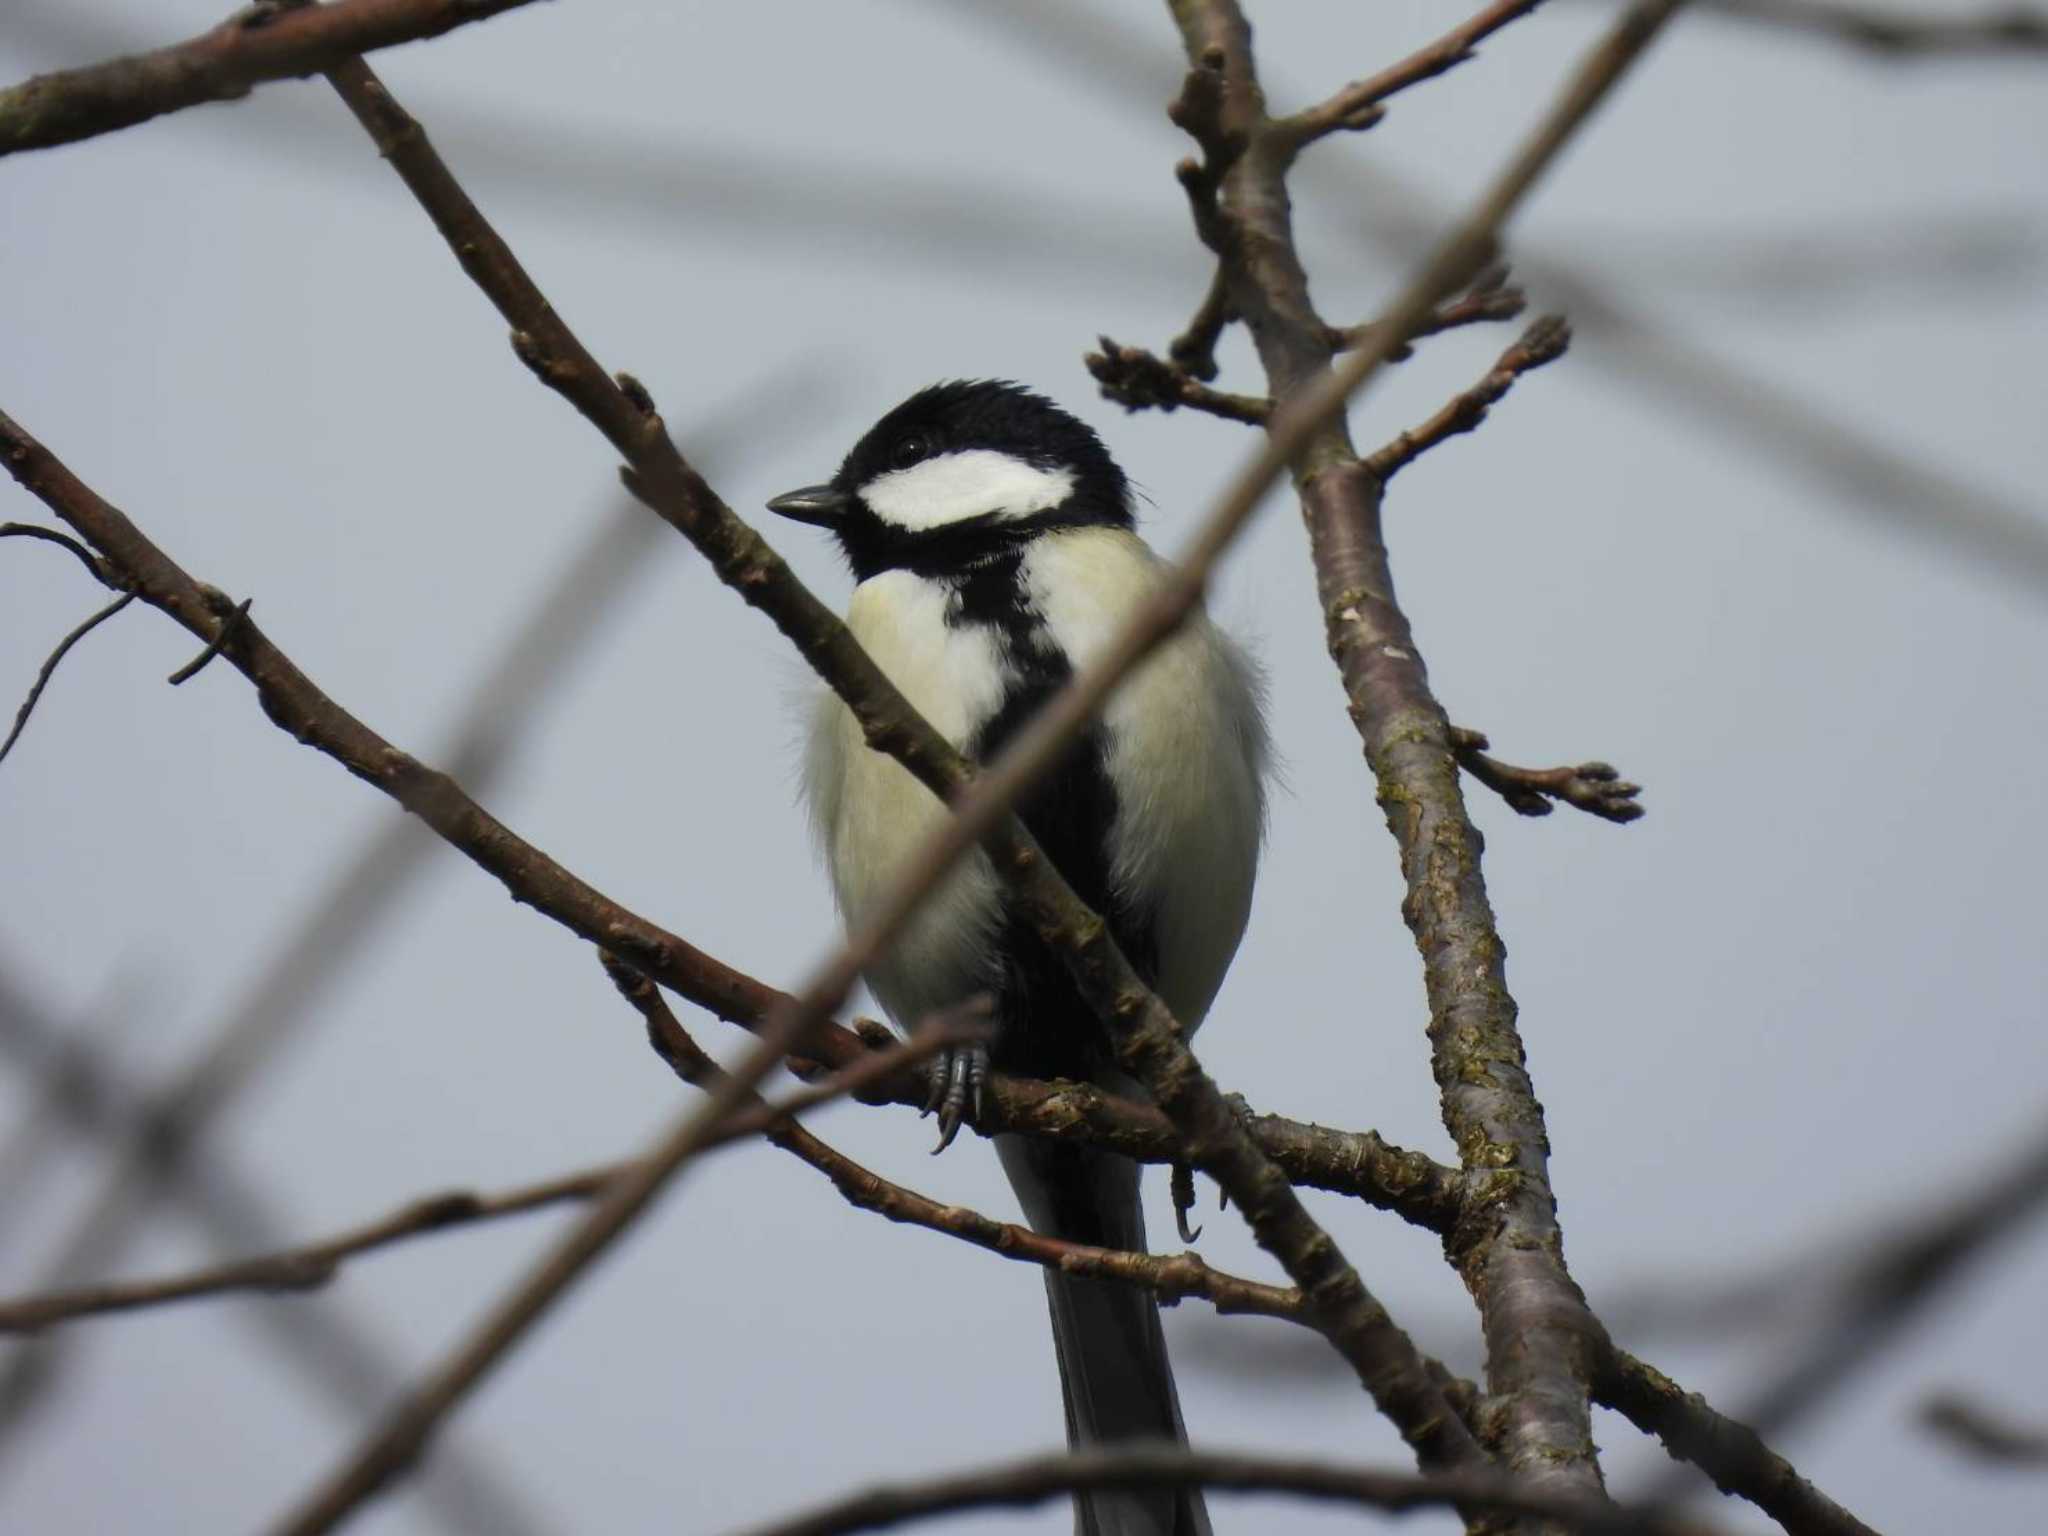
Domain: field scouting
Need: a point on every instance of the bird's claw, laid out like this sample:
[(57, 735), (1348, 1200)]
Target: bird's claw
[(958, 1076), (1183, 1188)]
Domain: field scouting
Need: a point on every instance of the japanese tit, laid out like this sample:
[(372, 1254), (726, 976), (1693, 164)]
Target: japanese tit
[(991, 539)]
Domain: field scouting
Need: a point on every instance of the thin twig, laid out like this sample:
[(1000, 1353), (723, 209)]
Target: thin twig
[(1489, 299), (1194, 350), (1038, 1478), (85, 556), (310, 1265), (49, 666), (230, 618), (258, 43), (1359, 105), (1595, 788), (1543, 342)]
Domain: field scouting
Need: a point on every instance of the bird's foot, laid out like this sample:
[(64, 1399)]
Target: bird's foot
[(958, 1075), (1241, 1107)]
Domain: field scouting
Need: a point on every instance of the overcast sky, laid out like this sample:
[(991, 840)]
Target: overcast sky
[(1801, 998)]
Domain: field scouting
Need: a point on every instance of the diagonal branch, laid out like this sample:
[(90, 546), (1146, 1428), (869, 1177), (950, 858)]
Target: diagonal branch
[(1360, 104), (308, 1266), (1543, 342), (1729, 1452), (260, 42)]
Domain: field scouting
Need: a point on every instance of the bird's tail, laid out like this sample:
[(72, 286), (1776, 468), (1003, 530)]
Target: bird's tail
[(1112, 1353)]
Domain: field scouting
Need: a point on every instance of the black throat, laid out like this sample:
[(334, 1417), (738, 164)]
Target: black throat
[(1045, 1029)]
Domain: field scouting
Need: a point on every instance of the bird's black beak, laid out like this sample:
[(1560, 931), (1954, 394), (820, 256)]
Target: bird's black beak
[(820, 504)]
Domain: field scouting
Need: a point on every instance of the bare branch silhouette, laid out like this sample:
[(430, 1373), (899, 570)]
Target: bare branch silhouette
[(265, 41), (50, 664), (1039, 1478)]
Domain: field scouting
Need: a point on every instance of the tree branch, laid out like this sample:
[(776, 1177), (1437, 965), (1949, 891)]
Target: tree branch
[(49, 667), (1543, 342), (1542, 1340), (1038, 1478), (1595, 788), (258, 43), (1359, 104), (1729, 1452), (86, 557), (306, 1267), (1489, 298)]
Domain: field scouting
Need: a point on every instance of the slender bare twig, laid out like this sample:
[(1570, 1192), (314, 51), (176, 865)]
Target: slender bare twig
[(1148, 1040), (1194, 350), (1983, 1433), (1359, 104), (1038, 1478), (2012, 31), (315, 1264), (1543, 342), (1542, 1339), (49, 667), (62, 540), (306, 1267), (260, 42), (1595, 788), (1490, 298)]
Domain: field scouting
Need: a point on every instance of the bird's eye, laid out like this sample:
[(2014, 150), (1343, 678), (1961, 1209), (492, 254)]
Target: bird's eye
[(908, 451)]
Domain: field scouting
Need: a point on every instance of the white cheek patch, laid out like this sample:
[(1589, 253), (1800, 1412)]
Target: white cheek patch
[(956, 486)]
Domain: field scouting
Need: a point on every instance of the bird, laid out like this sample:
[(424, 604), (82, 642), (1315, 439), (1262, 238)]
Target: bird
[(994, 552)]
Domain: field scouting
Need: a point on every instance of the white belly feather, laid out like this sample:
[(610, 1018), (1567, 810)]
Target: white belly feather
[(1186, 758)]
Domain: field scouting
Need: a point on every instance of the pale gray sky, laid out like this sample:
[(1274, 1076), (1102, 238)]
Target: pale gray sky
[(1803, 994)]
